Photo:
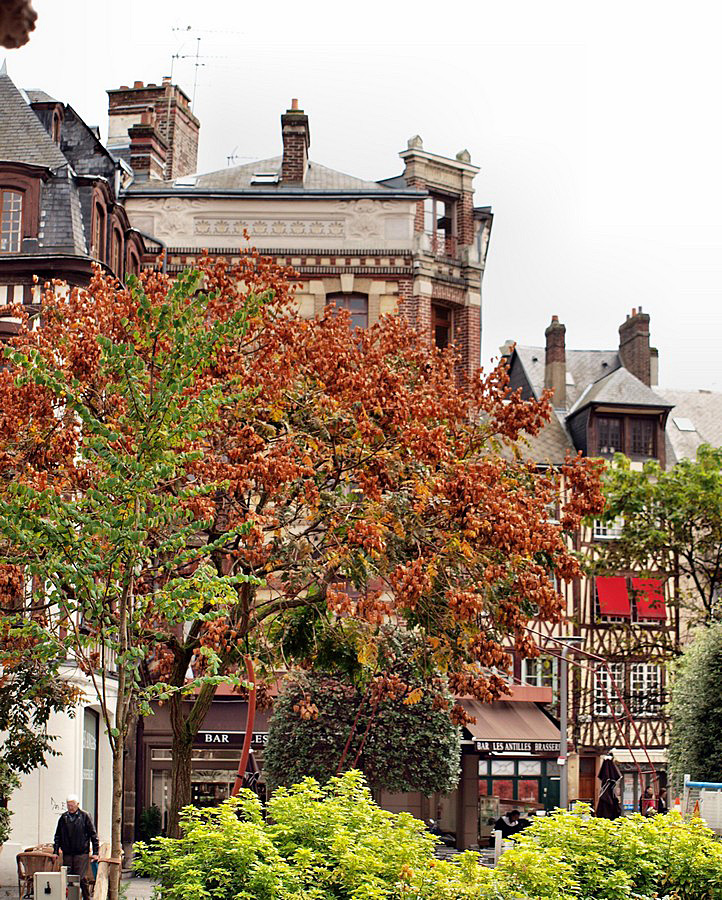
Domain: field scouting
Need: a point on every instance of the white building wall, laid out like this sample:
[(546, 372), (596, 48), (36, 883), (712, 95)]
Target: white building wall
[(40, 799)]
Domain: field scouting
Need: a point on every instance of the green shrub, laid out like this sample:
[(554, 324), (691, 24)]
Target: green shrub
[(320, 843), (151, 823), (573, 855), (333, 843), (408, 747)]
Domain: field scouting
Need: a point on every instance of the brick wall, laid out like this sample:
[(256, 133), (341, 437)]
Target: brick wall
[(171, 115), (465, 219), (634, 349)]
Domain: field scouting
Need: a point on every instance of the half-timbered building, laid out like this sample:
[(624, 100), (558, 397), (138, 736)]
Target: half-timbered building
[(608, 401)]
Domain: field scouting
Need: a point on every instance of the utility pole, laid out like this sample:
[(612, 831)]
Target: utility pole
[(566, 642)]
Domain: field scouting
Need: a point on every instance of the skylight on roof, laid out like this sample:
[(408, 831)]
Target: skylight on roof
[(684, 424), (265, 178), (570, 378), (186, 181)]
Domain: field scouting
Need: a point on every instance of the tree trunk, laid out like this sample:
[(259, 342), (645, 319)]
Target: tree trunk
[(116, 846), (186, 724), (180, 790)]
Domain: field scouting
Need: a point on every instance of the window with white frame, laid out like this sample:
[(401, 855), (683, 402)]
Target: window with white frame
[(542, 671), (606, 698), (645, 690), (608, 531)]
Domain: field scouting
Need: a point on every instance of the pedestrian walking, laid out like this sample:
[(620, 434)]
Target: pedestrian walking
[(74, 835)]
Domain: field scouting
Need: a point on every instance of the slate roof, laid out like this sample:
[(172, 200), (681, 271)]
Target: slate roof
[(620, 388), (39, 97), (584, 366), (704, 411), (243, 178), (22, 137), (550, 446)]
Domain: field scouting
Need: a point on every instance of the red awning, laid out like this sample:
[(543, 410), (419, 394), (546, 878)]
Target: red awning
[(650, 598), (613, 597)]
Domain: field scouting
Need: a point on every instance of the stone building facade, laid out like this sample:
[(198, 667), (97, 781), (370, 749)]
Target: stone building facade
[(412, 244)]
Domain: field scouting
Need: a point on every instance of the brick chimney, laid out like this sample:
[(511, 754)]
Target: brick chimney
[(148, 150), (171, 115), (634, 350), (296, 141), (555, 362)]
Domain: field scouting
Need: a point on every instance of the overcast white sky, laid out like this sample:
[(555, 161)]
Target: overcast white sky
[(596, 126)]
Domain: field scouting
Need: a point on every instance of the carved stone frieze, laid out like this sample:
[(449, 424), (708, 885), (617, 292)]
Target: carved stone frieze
[(320, 228)]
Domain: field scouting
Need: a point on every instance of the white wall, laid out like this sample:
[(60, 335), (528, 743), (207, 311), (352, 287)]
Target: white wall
[(40, 799)]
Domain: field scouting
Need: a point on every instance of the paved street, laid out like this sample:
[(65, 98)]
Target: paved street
[(138, 888)]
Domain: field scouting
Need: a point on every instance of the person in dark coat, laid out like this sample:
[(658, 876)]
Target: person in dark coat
[(508, 824), (74, 835)]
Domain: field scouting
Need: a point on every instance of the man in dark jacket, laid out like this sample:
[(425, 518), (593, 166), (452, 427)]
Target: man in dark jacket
[(74, 835)]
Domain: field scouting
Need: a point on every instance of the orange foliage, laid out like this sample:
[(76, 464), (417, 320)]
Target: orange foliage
[(348, 455)]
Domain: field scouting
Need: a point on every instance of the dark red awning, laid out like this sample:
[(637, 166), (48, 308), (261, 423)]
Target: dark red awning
[(650, 598), (613, 596)]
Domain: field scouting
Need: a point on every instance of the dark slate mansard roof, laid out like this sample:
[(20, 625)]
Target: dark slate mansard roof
[(597, 376), (70, 170)]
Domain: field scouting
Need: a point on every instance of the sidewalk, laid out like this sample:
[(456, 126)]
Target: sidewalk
[(137, 888)]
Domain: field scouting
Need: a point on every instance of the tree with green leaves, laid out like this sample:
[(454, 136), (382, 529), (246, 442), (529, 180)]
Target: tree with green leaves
[(672, 526), (98, 510), (695, 745)]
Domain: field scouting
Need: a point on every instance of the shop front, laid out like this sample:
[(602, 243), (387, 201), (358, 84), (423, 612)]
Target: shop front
[(517, 746), (215, 755)]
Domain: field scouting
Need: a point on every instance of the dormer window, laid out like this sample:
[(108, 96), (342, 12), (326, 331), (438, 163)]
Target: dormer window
[(642, 438), (11, 221), (609, 431), (55, 134)]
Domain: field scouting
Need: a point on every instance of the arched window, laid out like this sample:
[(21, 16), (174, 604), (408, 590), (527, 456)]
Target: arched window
[(11, 221), (97, 248), (132, 266), (116, 256), (356, 304)]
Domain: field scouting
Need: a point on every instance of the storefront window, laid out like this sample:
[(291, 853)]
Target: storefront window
[(502, 767), (528, 790), (89, 798), (529, 782)]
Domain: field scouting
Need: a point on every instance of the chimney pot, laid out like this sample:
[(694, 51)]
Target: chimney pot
[(634, 351), (555, 362), (137, 84), (296, 141), (166, 79)]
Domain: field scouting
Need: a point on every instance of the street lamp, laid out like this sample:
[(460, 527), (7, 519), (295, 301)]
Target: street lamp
[(566, 642)]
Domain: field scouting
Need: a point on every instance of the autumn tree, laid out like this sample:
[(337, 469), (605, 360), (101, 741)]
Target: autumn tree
[(347, 472), (672, 524)]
